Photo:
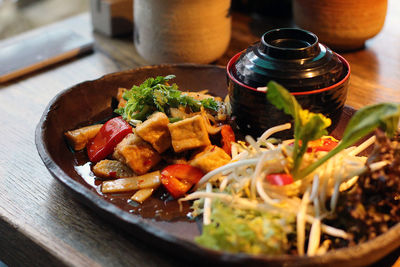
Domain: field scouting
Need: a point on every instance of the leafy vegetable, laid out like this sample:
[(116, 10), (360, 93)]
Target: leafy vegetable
[(172, 120), (156, 94), (249, 231), (210, 103), (384, 115), (308, 126)]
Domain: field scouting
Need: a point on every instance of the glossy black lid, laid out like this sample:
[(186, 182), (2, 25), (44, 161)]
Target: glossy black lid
[(292, 57)]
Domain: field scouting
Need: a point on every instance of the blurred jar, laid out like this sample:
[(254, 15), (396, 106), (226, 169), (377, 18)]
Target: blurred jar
[(175, 31), (264, 8), (341, 24)]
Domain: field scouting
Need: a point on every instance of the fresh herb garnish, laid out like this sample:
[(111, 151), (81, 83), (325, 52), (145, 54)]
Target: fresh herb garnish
[(172, 120), (210, 103), (309, 126), (156, 94)]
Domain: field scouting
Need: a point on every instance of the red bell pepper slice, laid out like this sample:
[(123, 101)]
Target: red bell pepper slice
[(179, 178), (110, 134), (326, 143), (175, 187), (279, 179), (228, 136), (322, 144)]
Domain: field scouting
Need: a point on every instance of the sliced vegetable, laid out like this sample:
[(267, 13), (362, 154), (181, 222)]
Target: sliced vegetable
[(148, 180), (279, 179), (142, 194), (111, 169), (110, 134), (228, 136), (79, 138), (175, 187), (326, 143), (179, 178)]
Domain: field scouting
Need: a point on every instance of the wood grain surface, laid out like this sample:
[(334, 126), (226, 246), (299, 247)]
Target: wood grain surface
[(42, 225)]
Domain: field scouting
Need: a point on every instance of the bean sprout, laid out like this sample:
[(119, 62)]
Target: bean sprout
[(242, 184)]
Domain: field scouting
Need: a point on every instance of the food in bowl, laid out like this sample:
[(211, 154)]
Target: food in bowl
[(290, 197), (293, 161), (158, 126)]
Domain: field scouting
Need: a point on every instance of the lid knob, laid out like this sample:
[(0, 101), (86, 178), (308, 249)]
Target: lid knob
[(289, 43)]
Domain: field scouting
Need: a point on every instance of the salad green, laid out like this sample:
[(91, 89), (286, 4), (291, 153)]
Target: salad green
[(250, 231), (309, 126), (243, 212), (367, 119)]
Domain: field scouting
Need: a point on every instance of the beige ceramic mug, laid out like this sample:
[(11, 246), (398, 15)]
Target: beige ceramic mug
[(341, 24), (175, 31)]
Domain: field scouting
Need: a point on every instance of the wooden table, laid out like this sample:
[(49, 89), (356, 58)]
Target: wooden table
[(40, 224)]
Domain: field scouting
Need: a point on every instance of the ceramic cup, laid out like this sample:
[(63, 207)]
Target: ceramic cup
[(177, 31), (341, 24)]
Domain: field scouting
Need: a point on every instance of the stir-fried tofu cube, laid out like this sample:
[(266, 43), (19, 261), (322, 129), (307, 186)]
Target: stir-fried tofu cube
[(171, 159), (189, 133), (79, 138), (111, 169), (210, 158), (155, 131), (136, 153)]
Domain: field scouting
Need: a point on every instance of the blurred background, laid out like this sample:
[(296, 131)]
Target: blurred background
[(18, 16)]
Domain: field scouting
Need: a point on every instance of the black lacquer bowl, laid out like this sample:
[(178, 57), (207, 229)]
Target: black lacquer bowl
[(90, 101), (313, 73)]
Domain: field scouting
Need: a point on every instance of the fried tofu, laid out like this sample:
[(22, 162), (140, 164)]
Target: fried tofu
[(210, 158), (137, 154), (189, 133), (155, 131), (111, 169), (79, 138)]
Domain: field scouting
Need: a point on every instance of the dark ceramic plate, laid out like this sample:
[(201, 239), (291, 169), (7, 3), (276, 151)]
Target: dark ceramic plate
[(160, 223)]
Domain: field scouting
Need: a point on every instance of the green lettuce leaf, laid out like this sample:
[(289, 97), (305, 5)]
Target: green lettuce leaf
[(310, 126), (235, 230), (365, 120)]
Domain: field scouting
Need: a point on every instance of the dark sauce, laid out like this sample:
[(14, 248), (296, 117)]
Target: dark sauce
[(160, 209), (160, 206)]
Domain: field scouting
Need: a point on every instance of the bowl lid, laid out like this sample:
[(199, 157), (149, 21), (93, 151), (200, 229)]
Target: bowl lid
[(292, 57)]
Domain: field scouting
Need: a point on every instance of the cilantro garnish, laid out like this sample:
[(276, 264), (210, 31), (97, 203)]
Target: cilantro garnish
[(210, 103), (155, 94)]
